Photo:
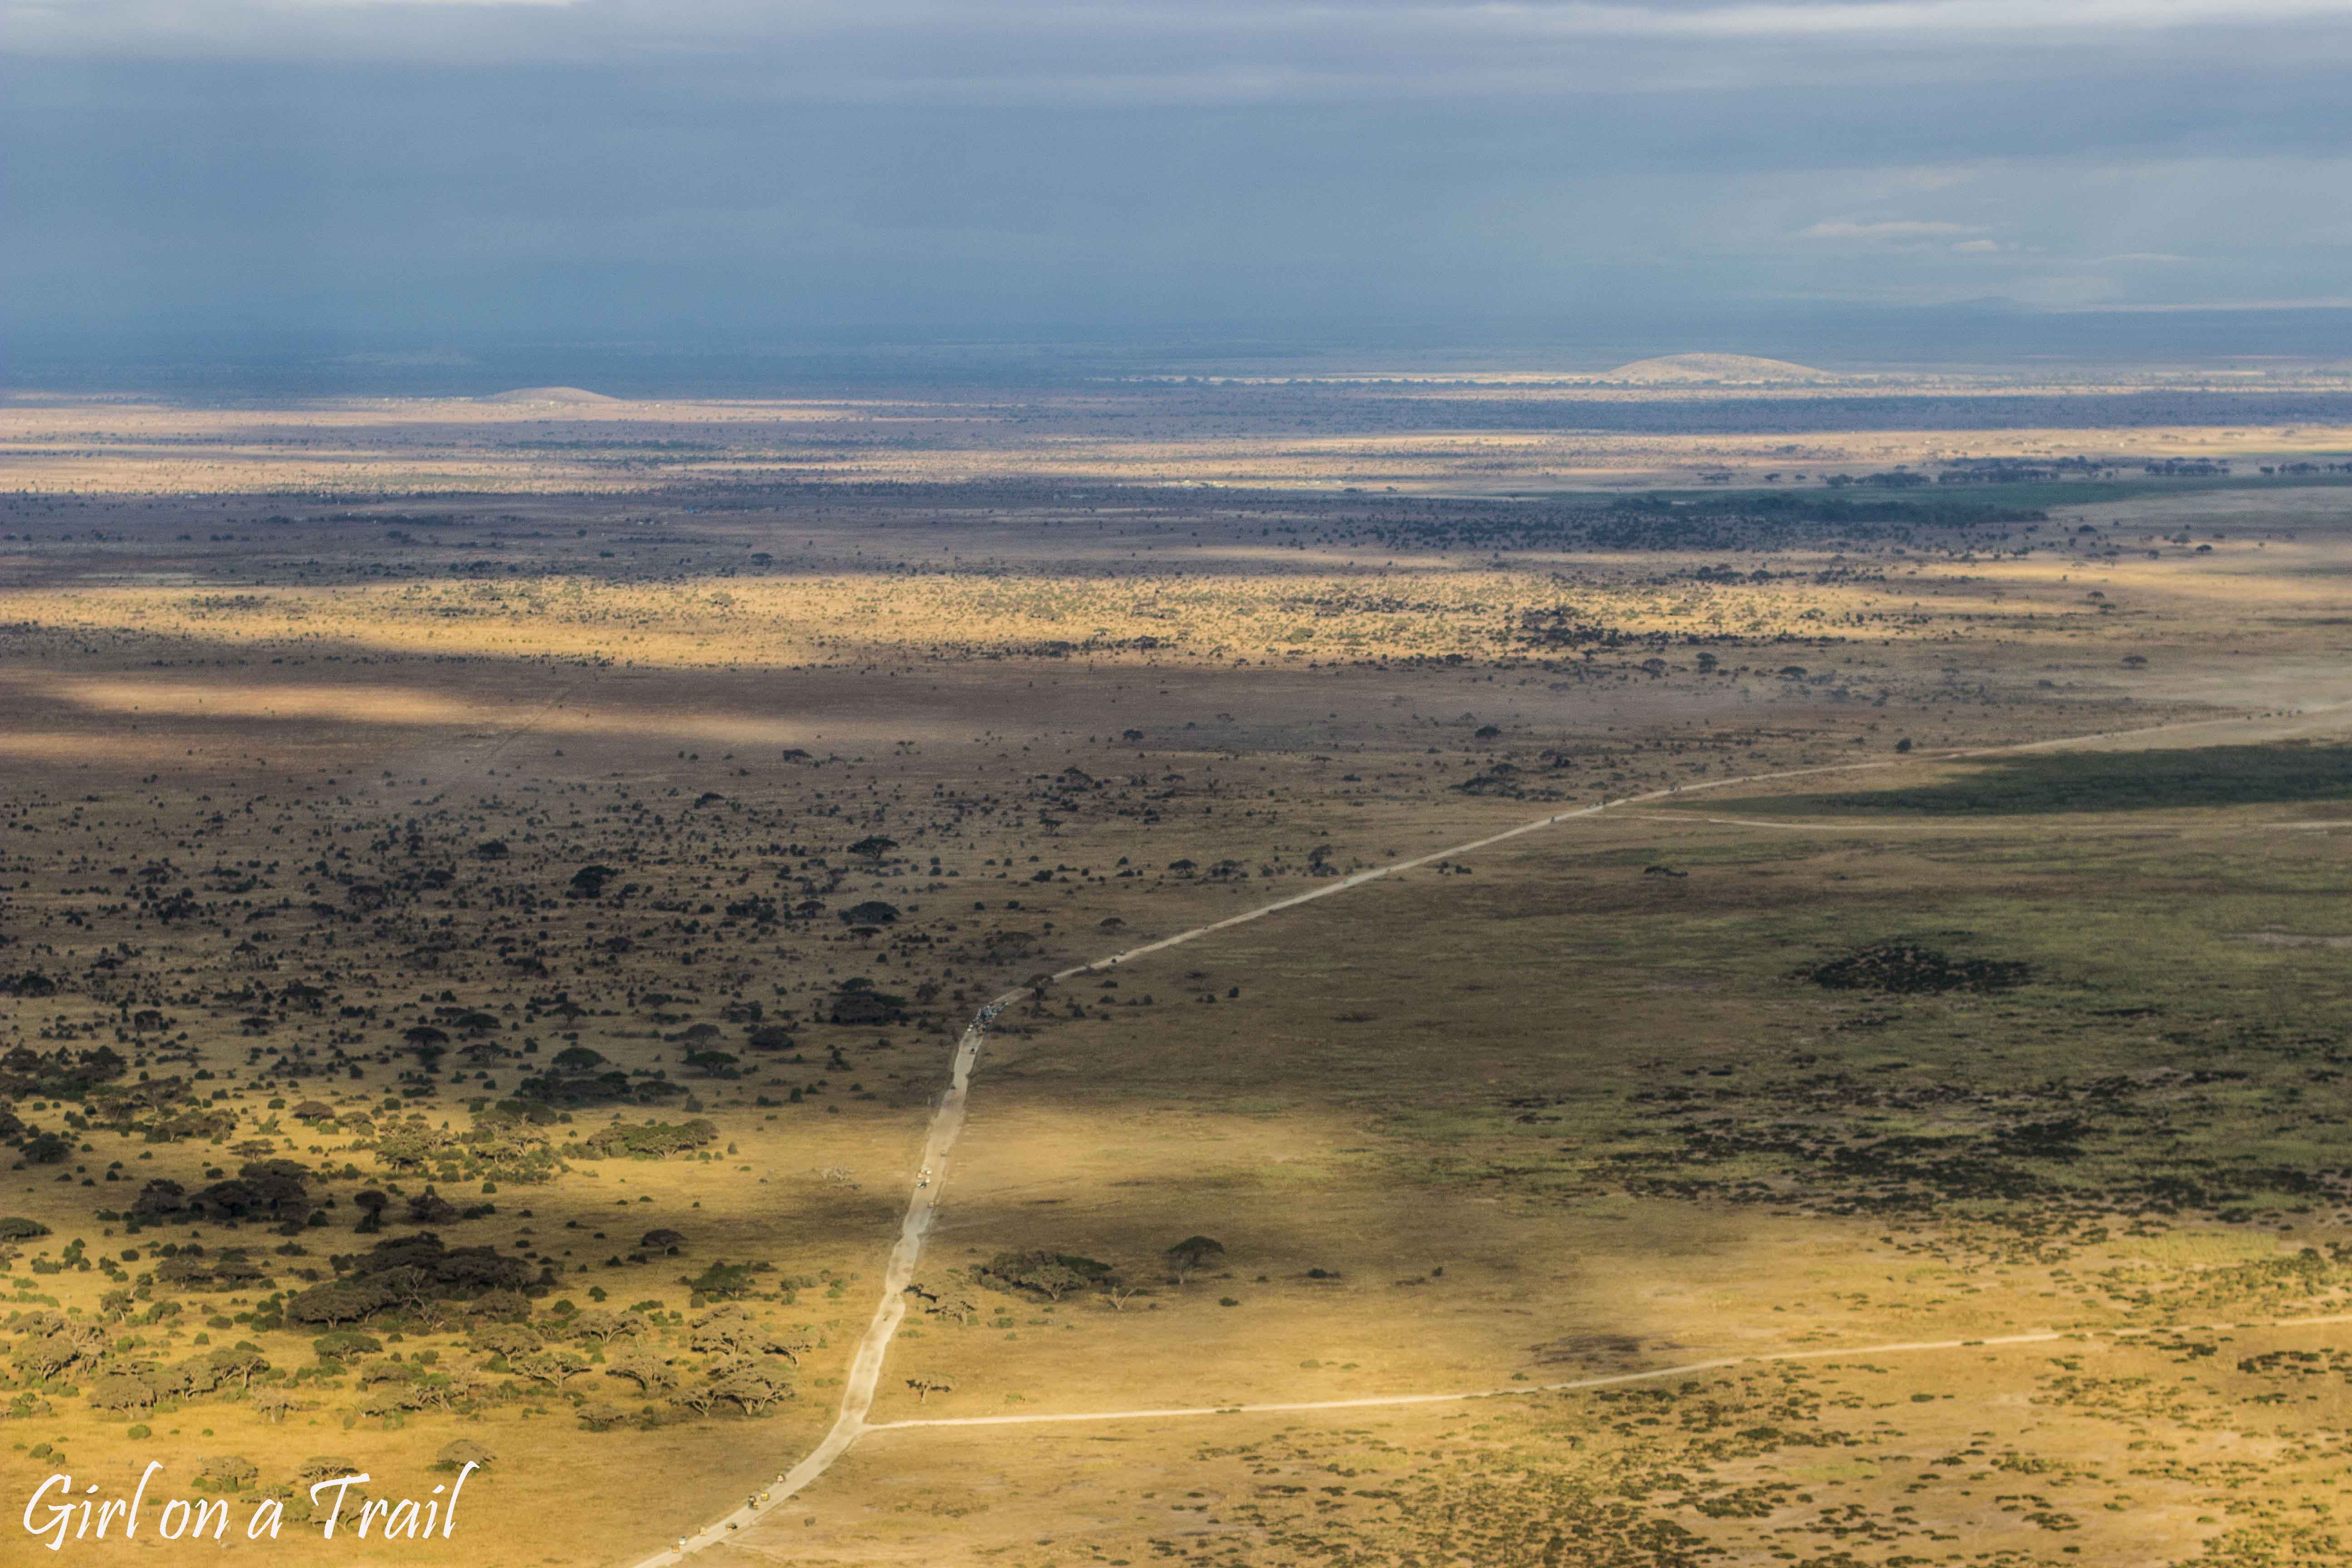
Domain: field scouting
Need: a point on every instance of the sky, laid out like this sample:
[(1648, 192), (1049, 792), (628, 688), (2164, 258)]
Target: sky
[(419, 175)]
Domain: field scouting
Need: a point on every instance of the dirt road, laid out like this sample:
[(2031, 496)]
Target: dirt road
[(1610, 1380), (947, 1123)]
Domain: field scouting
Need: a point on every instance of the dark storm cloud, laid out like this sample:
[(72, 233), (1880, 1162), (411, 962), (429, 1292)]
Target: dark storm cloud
[(618, 169)]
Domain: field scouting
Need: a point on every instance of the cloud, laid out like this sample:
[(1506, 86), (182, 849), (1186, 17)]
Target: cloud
[(1894, 228), (444, 168), (1921, 19), (1195, 50)]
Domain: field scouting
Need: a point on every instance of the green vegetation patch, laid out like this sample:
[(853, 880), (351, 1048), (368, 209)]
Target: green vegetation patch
[(1908, 968), (650, 1140), (2109, 781), (1723, 521)]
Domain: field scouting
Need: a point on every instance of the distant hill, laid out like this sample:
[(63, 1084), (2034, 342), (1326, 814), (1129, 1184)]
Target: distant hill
[(1733, 370), (580, 394)]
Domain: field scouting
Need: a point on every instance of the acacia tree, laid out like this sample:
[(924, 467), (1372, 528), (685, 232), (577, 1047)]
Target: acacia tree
[(274, 1404), (648, 1371), (121, 1393), (927, 1385), (1193, 1254), (725, 1330), (434, 1391), (605, 1327), (462, 1385), (463, 1452), (387, 1403), (228, 1473), (1052, 1275), (722, 1279), (184, 1379), (371, 1205), (43, 1357), (241, 1361), (554, 1368), (754, 1384), (508, 1340), (337, 1301)]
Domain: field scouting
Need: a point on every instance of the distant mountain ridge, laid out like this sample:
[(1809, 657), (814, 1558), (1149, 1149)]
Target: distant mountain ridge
[(1735, 369), (562, 394)]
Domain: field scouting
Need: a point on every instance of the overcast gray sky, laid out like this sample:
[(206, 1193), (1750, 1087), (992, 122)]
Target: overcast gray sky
[(698, 171)]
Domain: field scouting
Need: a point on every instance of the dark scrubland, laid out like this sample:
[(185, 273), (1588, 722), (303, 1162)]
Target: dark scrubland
[(2156, 780), (476, 966)]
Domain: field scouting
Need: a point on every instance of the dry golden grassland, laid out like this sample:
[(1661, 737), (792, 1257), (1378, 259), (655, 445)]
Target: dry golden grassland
[(1756, 1087)]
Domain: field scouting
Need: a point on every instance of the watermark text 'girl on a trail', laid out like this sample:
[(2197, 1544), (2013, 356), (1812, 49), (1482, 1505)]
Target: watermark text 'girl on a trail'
[(55, 1514)]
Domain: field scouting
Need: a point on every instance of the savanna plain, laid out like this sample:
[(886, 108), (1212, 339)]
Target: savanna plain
[(491, 892)]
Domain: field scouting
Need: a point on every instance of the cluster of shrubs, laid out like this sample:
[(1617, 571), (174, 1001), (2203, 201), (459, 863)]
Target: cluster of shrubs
[(497, 1148), (413, 1282), (649, 1140), (410, 1272), (571, 1090), (62, 1074), (1908, 968), (263, 1191), (191, 1267)]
